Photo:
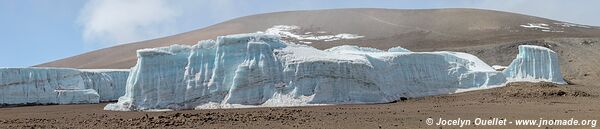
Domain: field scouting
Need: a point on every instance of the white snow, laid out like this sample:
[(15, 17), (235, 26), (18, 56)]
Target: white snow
[(534, 64), (552, 31), (258, 70), (287, 31), (352, 49), (536, 25), (305, 42), (59, 85), (499, 67), (398, 49), (556, 27), (565, 24), (541, 26)]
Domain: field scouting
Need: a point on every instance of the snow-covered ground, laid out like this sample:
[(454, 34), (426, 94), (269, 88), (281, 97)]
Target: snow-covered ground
[(260, 70), (536, 25), (564, 24), (554, 27), (542, 27), (288, 31), (499, 67)]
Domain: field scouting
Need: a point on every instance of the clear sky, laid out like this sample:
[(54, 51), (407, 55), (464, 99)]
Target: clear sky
[(38, 31)]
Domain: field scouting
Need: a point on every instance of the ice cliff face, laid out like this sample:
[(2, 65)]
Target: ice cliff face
[(535, 63), (250, 70), (44, 86), (58, 85), (260, 70), (109, 83)]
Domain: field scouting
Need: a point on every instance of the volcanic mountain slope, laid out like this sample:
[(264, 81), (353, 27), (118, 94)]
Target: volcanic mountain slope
[(382, 28), (491, 35)]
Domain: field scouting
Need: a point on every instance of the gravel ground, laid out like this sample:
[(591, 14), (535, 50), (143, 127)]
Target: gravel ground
[(515, 101)]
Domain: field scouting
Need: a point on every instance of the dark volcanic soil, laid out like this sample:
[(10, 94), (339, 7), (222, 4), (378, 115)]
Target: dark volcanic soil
[(515, 101)]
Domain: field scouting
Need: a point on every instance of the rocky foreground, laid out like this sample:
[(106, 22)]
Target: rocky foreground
[(515, 101)]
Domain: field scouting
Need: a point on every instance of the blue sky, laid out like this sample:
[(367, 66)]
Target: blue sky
[(38, 31)]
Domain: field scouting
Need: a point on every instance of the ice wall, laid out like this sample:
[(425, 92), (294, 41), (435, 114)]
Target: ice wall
[(109, 83), (58, 85), (44, 86), (535, 63), (250, 70)]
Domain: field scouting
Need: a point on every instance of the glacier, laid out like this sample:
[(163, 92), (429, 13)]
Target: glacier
[(20, 86), (109, 83), (535, 64), (261, 70)]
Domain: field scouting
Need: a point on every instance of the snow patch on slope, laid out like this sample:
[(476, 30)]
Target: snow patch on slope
[(536, 25), (398, 49), (540, 26), (565, 24), (499, 67), (288, 31)]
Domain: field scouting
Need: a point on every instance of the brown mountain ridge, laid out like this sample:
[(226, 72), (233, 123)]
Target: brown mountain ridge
[(417, 30)]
